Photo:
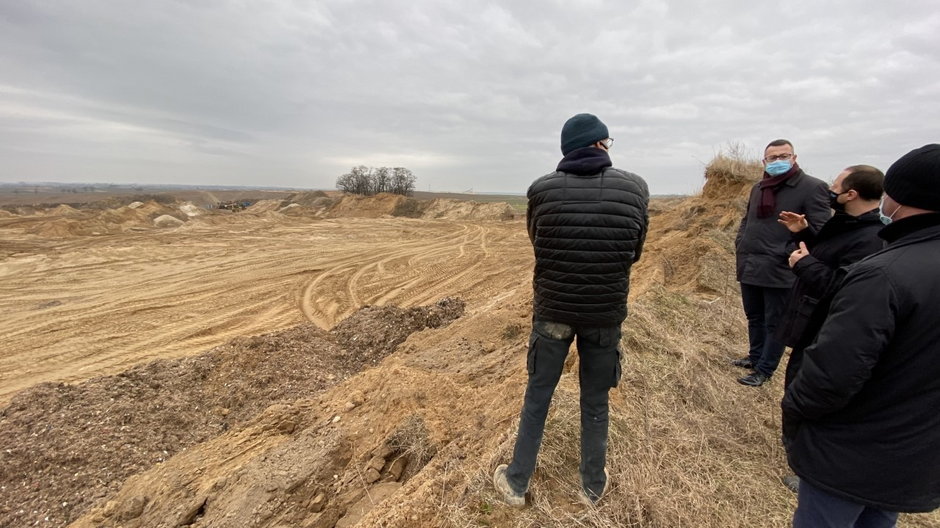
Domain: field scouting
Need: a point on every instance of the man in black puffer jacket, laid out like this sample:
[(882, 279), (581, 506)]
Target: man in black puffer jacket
[(587, 222), (860, 418)]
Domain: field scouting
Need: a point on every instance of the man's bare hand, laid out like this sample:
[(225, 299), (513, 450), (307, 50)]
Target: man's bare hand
[(798, 254), (794, 222)]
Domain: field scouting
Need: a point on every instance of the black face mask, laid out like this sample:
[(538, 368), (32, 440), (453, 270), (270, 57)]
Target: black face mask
[(834, 201)]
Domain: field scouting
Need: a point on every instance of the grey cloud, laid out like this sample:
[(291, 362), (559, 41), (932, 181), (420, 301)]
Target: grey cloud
[(471, 96)]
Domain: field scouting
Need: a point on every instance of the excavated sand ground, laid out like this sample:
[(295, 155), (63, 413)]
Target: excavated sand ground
[(225, 373)]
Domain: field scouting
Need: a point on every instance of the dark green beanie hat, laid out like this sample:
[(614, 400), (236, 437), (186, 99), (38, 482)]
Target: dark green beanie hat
[(582, 130)]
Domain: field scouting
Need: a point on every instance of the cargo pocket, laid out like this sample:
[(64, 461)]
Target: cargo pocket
[(530, 358), (557, 331), (618, 370)]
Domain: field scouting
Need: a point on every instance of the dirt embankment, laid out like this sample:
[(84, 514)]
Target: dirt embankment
[(67, 446)]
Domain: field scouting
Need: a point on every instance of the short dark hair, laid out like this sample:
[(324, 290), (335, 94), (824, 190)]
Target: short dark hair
[(778, 143), (866, 180)]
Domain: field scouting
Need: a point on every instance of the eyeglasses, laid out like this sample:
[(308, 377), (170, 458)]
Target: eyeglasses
[(779, 157), (607, 142)]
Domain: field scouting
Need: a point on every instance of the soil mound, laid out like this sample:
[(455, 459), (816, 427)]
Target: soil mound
[(265, 206), (307, 199), (373, 332), (63, 210), (166, 221), (190, 209), (460, 210), (67, 446), (64, 221), (354, 205)]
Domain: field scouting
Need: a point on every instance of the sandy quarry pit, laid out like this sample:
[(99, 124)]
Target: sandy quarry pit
[(79, 307)]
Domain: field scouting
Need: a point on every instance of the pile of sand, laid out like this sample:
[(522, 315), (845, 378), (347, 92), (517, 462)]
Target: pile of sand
[(190, 209), (385, 204), (167, 221), (354, 205), (65, 221), (264, 206), (63, 210), (312, 199), (461, 210)]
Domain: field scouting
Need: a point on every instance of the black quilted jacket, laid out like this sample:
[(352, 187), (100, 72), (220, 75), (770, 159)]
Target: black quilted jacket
[(587, 222)]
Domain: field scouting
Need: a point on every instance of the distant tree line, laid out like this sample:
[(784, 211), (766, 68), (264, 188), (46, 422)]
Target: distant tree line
[(369, 180)]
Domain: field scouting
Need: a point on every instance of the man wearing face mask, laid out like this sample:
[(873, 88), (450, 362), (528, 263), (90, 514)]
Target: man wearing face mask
[(860, 417), (849, 236), (762, 249)]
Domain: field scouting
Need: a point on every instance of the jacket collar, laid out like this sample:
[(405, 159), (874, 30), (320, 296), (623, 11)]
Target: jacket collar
[(795, 177), (585, 161), (912, 228)]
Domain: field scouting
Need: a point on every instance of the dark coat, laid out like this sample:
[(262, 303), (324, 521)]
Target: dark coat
[(844, 239), (587, 222), (763, 245), (861, 418)]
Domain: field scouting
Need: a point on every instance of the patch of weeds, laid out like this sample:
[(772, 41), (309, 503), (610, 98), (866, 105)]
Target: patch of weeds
[(512, 331)]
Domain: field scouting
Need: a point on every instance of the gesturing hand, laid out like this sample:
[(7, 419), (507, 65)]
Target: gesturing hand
[(798, 254), (794, 222)]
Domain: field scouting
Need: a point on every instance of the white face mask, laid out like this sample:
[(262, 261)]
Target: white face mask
[(881, 212)]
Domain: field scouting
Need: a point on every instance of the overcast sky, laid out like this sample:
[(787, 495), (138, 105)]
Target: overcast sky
[(468, 95)]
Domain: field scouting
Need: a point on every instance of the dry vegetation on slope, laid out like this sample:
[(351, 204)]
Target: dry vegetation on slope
[(413, 440)]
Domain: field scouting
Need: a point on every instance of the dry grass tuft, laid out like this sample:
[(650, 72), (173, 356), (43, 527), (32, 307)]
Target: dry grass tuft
[(734, 166), (410, 439)]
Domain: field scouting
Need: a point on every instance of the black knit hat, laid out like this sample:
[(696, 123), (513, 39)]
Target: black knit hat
[(914, 180), (582, 130)]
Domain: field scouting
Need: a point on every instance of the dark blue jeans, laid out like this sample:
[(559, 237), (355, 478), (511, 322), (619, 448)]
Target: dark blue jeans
[(599, 353), (819, 509), (764, 308)]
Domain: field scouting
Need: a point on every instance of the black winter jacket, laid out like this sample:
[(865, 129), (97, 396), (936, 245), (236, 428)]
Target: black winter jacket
[(844, 239), (762, 246), (587, 222), (861, 417)]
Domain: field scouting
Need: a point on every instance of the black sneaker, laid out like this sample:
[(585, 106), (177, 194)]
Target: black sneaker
[(744, 362), (754, 379)]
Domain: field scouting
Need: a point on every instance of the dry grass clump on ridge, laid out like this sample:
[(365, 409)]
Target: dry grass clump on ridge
[(734, 165)]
